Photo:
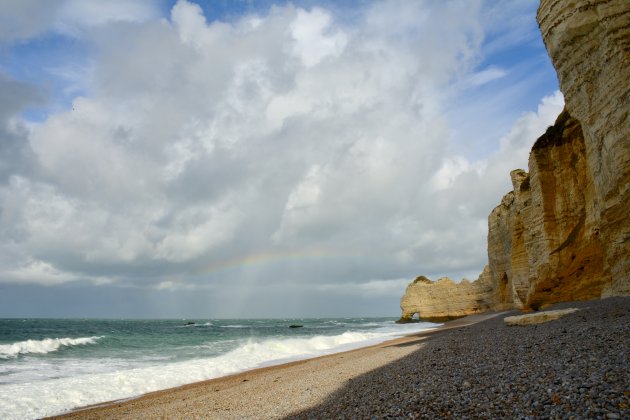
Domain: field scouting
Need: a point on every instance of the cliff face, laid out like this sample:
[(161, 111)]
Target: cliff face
[(563, 233), (589, 44), (543, 241)]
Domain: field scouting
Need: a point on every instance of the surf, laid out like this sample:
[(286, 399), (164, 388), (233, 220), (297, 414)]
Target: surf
[(56, 395), (47, 345)]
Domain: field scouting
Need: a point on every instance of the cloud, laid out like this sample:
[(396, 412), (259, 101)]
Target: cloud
[(389, 287), (83, 13), (485, 76), (312, 43), (14, 152), (20, 20), (195, 232), (25, 19), (479, 184), (40, 272), (207, 141)]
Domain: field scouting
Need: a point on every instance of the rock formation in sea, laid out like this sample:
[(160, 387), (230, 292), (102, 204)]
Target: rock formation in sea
[(444, 299), (563, 233)]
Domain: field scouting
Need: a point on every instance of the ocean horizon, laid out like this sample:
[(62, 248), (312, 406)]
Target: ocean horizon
[(51, 366)]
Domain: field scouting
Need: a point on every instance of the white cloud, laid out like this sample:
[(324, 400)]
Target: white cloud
[(313, 38), (451, 168), (307, 192), (195, 232), (205, 141), (379, 288), (95, 12), (480, 184), (190, 22), (41, 272), (533, 124), (485, 76), (24, 19)]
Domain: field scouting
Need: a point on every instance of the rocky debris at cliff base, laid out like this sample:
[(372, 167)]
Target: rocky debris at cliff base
[(577, 366), (538, 317)]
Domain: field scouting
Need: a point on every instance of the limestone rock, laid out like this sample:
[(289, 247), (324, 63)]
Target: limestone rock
[(538, 317), (589, 45), (563, 233), (444, 299), (543, 240)]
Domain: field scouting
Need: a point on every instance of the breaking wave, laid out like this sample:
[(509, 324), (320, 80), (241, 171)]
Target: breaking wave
[(47, 345), (54, 396)]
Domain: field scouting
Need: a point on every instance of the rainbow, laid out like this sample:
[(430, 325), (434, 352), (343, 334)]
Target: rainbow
[(270, 257)]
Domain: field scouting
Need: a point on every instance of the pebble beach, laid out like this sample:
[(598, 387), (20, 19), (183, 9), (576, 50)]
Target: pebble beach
[(475, 367)]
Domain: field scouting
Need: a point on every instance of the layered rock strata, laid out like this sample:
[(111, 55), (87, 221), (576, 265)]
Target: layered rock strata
[(563, 233), (444, 299), (589, 45), (544, 244)]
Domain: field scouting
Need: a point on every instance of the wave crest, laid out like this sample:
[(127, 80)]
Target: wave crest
[(47, 345)]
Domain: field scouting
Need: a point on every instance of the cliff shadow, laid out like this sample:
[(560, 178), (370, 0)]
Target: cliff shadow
[(390, 382), (488, 369)]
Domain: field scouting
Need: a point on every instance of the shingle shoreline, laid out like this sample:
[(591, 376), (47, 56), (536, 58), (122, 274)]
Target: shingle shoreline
[(574, 367)]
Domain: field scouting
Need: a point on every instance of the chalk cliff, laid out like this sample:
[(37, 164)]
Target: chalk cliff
[(589, 45), (543, 242), (444, 299), (563, 233)]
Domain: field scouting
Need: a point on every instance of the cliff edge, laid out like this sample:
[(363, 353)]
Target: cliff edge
[(544, 243), (563, 233)]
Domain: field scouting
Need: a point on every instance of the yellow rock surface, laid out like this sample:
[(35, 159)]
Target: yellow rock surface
[(543, 240), (563, 233), (589, 45), (444, 299)]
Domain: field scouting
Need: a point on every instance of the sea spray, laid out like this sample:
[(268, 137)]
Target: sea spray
[(127, 358), (44, 346)]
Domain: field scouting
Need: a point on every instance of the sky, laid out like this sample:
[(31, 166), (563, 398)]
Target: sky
[(246, 159)]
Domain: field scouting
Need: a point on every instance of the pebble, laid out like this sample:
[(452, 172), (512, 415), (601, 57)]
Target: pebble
[(571, 367)]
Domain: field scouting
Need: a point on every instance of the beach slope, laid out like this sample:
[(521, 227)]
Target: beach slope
[(471, 367)]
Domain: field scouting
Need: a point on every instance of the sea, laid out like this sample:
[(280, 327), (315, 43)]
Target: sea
[(52, 366)]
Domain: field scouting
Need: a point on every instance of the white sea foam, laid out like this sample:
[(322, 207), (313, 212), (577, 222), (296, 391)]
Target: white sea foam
[(54, 396), (47, 345), (369, 324)]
